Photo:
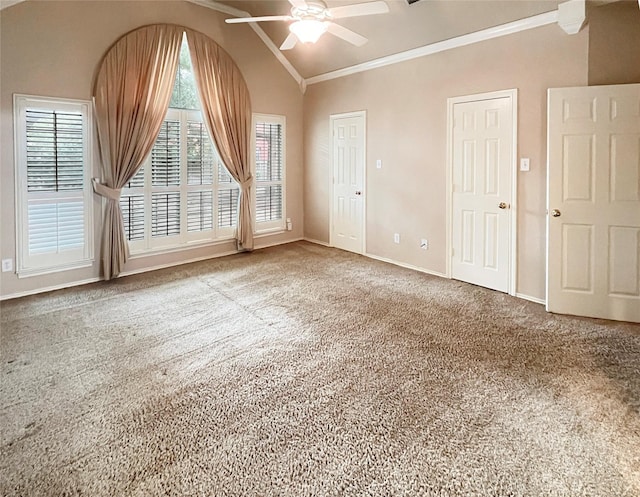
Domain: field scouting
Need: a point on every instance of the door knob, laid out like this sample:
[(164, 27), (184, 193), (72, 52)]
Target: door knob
[(502, 205), (556, 213), (358, 192)]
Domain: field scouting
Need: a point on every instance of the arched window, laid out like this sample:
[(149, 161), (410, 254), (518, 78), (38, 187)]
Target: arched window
[(183, 193)]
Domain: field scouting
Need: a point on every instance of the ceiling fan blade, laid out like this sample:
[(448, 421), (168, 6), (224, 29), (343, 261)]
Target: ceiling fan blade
[(289, 42), (359, 9), (298, 3), (235, 20), (346, 34)]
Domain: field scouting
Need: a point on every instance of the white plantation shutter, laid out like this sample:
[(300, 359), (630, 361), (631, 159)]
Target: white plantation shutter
[(54, 167), (165, 180), (132, 206), (165, 155), (183, 194), (200, 155), (55, 158), (202, 161), (199, 211), (268, 203), (165, 214), (228, 199), (269, 172)]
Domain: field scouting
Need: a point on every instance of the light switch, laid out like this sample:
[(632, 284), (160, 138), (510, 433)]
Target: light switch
[(524, 164), (378, 164)]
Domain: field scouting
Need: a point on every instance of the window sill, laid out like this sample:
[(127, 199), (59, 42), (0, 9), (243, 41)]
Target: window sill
[(29, 272), (170, 249), (269, 232)]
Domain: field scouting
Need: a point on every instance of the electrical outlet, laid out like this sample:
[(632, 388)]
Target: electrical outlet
[(7, 265), (396, 238), (424, 244)]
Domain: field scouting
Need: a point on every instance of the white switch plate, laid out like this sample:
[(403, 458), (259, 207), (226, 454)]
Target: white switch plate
[(7, 265), (524, 164), (424, 244), (378, 164), (396, 238)]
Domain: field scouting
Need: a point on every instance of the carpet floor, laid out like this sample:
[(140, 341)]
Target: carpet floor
[(301, 370)]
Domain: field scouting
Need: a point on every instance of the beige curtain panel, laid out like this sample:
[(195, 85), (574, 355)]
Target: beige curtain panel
[(226, 107), (132, 93)]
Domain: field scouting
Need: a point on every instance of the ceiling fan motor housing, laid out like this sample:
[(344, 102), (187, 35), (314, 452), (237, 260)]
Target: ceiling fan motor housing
[(314, 9)]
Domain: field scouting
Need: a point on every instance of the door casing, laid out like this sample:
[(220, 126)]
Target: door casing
[(512, 95)]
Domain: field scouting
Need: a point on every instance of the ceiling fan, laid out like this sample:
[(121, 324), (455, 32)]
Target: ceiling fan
[(312, 18)]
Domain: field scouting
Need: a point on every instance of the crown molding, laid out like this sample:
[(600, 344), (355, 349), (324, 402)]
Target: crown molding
[(441, 46)]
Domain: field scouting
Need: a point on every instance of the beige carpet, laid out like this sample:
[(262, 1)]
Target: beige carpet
[(306, 371)]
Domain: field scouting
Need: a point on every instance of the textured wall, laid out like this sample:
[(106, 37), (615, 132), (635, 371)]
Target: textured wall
[(614, 43)]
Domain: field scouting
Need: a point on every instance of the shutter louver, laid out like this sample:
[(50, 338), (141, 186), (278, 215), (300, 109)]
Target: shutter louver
[(200, 156), (165, 214), (268, 203), (132, 207), (199, 211), (228, 207), (223, 175), (165, 155), (138, 179), (55, 227)]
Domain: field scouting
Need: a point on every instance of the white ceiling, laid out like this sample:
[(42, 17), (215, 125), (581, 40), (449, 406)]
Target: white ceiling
[(405, 27)]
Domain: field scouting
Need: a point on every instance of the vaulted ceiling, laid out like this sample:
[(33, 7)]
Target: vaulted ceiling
[(405, 27)]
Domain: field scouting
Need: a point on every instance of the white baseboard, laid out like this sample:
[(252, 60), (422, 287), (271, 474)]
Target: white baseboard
[(407, 266), (61, 286), (274, 244), (531, 299), (317, 242)]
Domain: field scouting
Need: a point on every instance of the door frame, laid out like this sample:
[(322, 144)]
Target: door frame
[(512, 95), (332, 119)]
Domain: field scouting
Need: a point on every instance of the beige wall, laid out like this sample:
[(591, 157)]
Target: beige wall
[(53, 48), (406, 108), (614, 43)]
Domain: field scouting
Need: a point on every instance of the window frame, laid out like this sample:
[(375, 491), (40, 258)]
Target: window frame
[(40, 264), (280, 225)]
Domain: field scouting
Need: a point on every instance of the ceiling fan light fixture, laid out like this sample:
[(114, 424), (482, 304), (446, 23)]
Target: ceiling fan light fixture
[(308, 30)]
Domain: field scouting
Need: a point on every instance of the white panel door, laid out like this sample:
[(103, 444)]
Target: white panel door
[(347, 230), (593, 251), (482, 157)]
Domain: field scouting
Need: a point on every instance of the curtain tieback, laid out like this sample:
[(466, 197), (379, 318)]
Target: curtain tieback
[(246, 183), (105, 191)]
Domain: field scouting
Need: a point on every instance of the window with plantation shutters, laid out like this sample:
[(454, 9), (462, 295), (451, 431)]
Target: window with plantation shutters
[(182, 194), (53, 159), (269, 132)]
